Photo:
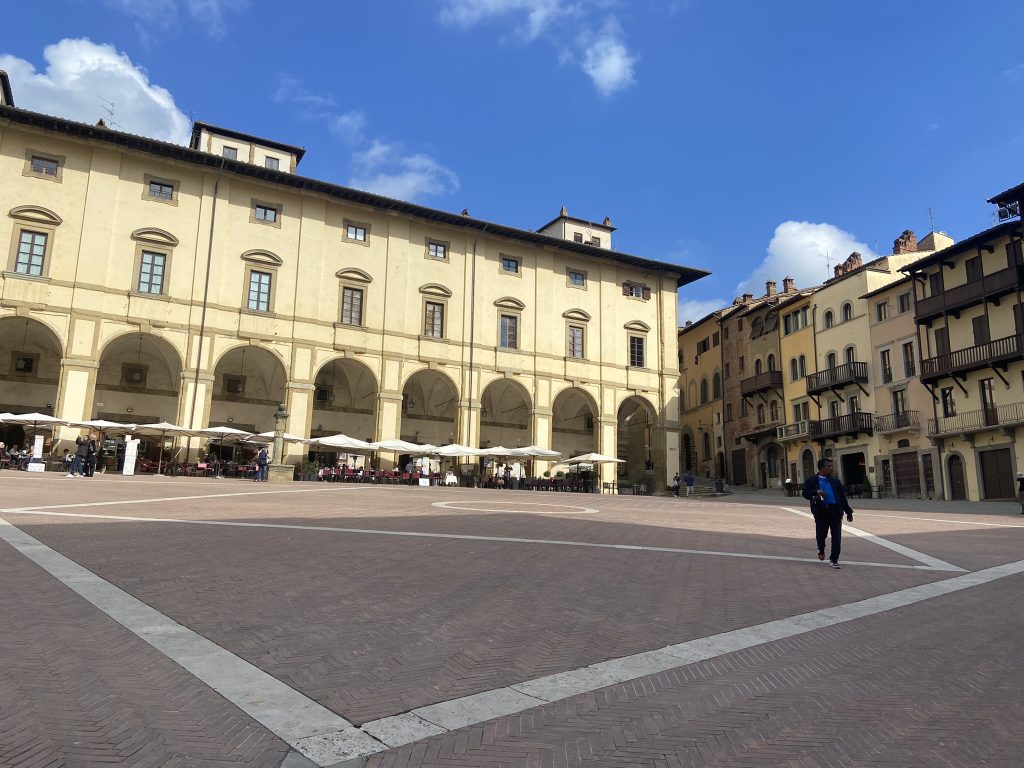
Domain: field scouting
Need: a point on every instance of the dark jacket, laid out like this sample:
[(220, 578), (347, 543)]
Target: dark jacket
[(811, 494), (82, 444)]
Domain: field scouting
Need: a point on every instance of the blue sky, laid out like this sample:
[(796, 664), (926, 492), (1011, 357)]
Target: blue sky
[(754, 139)]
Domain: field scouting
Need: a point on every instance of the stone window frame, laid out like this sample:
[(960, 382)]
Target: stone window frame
[(364, 225), (61, 161), (361, 290), (21, 375), (167, 253), (434, 293), (636, 329), (278, 209), (429, 241), (568, 278), (276, 163), (259, 260), (223, 152), (502, 257), (578, 318), (31, 218), (355, 279), (175, 185), (513, 314)]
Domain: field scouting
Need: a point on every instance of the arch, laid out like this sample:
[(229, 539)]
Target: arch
[(771, 362), (757, 367), (637, 325), (847, 311), (249, 383), (794, 370), (829, 318), (636, 421), (691, 393), (344, 399), (706, 446), (704, 390), (138, 379), (509, 302), (850, 353), (435, 289), (35, 214), (771, 465), (505, 406), (430, 406), (831, 360), (580, 315), (807, 463), (803, 365), (957, 477), (716, 386), (574, 422), (30, 368), (354, 275), (154, 235), (760, 413)]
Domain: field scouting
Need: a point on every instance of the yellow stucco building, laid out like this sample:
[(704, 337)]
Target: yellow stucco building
[(204, 285), (702, 387)]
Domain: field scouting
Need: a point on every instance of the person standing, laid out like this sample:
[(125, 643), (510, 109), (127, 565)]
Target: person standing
[(828, 503), (690, 480), (90, 457), (262, 460), (1020, 490), (675, 485), (81, 451)]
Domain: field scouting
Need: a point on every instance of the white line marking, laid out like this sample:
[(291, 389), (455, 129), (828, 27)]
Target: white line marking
[(468, 537), (309, 727), (563, 511), (939, 520), (913, 554)]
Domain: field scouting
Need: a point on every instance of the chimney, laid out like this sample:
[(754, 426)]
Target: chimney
[(788, 285), (747, 298), (564, 212), (689, 323), (905, 243), (769, 288), (854, 261), (607, 221)]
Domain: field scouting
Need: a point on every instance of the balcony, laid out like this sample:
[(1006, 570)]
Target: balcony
[(840, 426), (762, 382), (897, 422), (761, 431), (963, 361), (953, 300), (837, 378), (978, 421), (800, 429)]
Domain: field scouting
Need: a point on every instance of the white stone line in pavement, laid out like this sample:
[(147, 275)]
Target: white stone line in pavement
[(458, 713), (940, 520), (310, 728), (913, 554), (46, 511), (564, 508)]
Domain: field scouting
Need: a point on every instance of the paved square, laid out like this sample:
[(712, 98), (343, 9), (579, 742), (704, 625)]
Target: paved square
[(152, 621)]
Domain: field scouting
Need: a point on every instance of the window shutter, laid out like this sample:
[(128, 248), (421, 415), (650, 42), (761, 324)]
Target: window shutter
[(625, 289), (647, 293)]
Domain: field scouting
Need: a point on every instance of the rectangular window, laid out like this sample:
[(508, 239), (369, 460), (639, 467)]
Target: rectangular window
[(509, 332), (161, 191), (576, 341), (636, 351), (725, 331), (230, 153), (742, 361), (974, 270), (728, 411), (259, 291), (272, 163), (433, 320), (436, 250), (636, 291), (981, 330), (24, 365), (355, 232), (787, 324), (352, 306), (151, 272), (702, 346), (595, 241), (882, 310), (266, 213), (510, 265), (904, 302), (948, 403), (31, 252), (44, 165), (899, 401), (577, 279), (909, 366), (577, 237), (715, 339), (853, 404), (835, 409), (886, 367)]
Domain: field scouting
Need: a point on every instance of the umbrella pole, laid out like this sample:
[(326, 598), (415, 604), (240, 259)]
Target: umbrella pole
[(160, 459)]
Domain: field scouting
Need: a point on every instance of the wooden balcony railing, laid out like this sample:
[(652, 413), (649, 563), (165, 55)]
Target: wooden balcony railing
[(761, 383), (972, 359), (962, 296), (976, 421), (894, 422), (840, 376), (794, 431), (847, 424)]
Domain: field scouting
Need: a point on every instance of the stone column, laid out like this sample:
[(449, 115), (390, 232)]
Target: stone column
[(389, 425), (608, 444), (279, 472)]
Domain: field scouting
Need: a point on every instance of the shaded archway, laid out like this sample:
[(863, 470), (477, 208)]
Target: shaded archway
[(345, 400), (573, 423), (771, 466), (505, 415), (430, 404), (688, 453), (249, 384), (138, 381), (636, 421), (30, 355), (808, 464)]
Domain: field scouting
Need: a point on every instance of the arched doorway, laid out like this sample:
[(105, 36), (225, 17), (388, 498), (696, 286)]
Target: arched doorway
[(345, 400), (505, 415), (249, 384), (138, 381), (957, 485), (770, 466), (689, 465), (573, 423), (30, 355), (430, 404), (636, 422), (807, 463)]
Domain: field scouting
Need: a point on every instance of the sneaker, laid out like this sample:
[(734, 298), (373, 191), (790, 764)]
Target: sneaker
[(68, 475), (835, 565), (821, 554)]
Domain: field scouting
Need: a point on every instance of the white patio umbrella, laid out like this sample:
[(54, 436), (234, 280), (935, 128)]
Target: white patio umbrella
[(498, 450), (268, 437), (400, 446), (33, 420), (342, 443), (220, 434), (454, 450), (163, 429), (535, 452), (104, 426), (593, 458)]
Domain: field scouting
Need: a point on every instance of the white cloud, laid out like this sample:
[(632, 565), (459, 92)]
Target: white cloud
[(82, 76), (349, 126), (601, 53), (695, 309), (209, 15), (804, 251), (386, 170), (1014, 73), (609, 62)]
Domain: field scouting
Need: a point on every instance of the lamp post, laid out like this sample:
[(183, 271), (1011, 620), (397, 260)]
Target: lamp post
[(278, 471)]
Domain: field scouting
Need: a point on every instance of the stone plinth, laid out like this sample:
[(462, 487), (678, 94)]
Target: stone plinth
[(280, 473)]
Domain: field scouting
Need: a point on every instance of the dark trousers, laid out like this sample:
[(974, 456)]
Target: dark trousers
[(829, 519)]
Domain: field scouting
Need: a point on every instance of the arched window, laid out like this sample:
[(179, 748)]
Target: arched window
[(703, 390), (771, 362), (757, 367), (716, 386), (794, 370), (830, 360), (707, 446), (773, 409), (851, 354), (830, 319), (847, 311), (803, 365), (760, 413)]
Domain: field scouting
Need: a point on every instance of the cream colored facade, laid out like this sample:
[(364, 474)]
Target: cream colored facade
[(796, 350), (364, 315), (702, 387)]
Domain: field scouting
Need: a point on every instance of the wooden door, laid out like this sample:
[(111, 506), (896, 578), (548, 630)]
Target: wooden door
[(957, 486), (808, 462), (906, 475), (739, 467), (997, 474)]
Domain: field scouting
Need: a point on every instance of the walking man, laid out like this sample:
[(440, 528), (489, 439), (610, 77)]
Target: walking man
[(828, 503), (690, 480), (262, 460), (675, 485)]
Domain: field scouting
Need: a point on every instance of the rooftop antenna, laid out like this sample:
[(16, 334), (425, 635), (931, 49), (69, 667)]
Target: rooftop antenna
[(108, 107), (931, 218), (828, 265)]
